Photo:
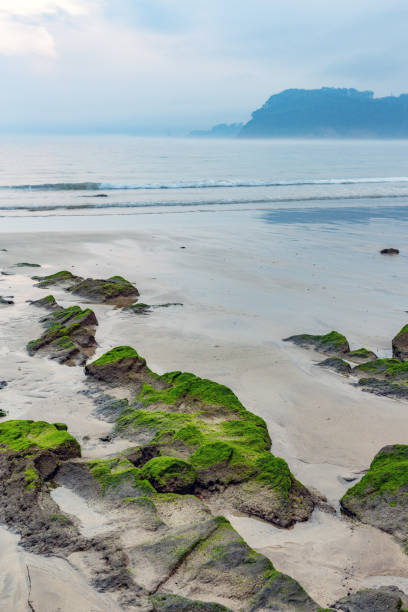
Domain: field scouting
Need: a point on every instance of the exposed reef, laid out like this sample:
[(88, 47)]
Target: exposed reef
[(332, 344), (69, 335), (204, 425), (48, 302), (114, 290), (380, 497)]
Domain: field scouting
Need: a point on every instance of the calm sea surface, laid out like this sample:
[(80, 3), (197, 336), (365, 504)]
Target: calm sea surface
[(116, 174)]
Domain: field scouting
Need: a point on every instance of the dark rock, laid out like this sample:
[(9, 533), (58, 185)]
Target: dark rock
[(383, 599), (383, 388), (138, 308), (337, 365), (24, 264), (282, 593), (3, 413), (6, 300), (389, 251), (47, 302), (400, 344), (3, 383), (379, 499), (330, 344)]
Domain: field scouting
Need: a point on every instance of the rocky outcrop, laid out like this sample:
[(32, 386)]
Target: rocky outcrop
[(386, 377), (204, 425), (337, 365), (69, 335), (166, 602), (380, 498), (332, 344), (383, 599), (114, 290), (400, 344)]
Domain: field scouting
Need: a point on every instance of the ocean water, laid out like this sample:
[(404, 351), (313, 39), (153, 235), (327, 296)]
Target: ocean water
[(286, 179)]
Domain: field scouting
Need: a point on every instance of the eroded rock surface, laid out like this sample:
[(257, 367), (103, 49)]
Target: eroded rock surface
[(337, 365), (400, 344)]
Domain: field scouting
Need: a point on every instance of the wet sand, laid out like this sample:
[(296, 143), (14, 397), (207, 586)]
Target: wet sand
[(245, 285)]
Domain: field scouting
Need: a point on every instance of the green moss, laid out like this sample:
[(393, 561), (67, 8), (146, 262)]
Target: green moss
[(274, 472), (120, 352), (21, 435), (169, 474), (32, 477), (158, 421), (402, 331), (388, 473), (190, 435), (111, 472), (333, 338), (361, 352), (212, 454)]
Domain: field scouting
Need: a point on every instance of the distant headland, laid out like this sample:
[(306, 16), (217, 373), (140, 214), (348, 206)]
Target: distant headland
[(321, 113)]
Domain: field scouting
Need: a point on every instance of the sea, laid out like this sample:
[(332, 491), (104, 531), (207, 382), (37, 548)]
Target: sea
[(285, 180)]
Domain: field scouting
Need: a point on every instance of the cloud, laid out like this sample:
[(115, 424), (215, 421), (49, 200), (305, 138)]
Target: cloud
[(96, 64)]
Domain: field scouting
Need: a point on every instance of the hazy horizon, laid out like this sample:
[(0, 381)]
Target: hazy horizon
[(151, 67)]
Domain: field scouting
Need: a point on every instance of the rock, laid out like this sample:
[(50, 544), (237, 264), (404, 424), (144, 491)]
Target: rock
[(337, 365), (122, 366), (360, 356), (383, 599), (3, 384), (379, 499), (389, 251), (391, 369), (6, 300), (400, 344), (69, 335), (180, 416), (47, 302), (63, 278), (330, 344), (166, 602), (24, 264), (114, 290), (3, 413), (31, 452)]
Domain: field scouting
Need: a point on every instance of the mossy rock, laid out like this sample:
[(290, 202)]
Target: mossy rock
[(361, 355), (170, 475), (139, 308), (384, 388), (26, 436), (330, 344), (382, 599), (384, 369), (121, 366), (380, 498), (63, 277), (49, 302), (337, 365), (111, 290)]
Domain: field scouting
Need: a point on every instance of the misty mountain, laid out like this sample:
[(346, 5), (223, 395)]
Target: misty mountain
[(328, 113)]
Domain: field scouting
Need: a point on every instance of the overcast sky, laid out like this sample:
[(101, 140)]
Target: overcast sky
[(182, 64)]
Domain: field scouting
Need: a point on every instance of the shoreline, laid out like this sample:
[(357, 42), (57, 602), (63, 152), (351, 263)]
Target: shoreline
[(279, 383)]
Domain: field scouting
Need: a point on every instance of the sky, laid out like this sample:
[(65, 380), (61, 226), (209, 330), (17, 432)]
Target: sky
[(168, 66)]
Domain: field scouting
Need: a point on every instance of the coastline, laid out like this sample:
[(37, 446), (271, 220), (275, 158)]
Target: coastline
[(231, 333)]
